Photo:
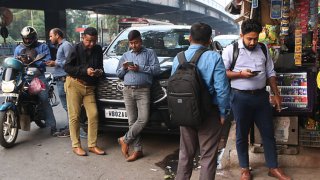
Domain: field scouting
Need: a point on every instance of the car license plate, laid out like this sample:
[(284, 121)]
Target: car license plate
[(116, 114)]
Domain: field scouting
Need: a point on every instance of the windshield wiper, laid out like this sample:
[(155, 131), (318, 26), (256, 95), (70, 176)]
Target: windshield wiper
[(165, 60)]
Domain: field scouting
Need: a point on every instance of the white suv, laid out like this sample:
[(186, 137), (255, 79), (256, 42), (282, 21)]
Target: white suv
[(166, 41)]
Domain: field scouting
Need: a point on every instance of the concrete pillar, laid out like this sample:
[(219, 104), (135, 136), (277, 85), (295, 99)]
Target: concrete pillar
[(55, 19)]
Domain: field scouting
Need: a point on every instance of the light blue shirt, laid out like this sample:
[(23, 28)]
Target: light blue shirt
[(148, 67), (41, 49), (213, 73), (63, 50), (254, 60)]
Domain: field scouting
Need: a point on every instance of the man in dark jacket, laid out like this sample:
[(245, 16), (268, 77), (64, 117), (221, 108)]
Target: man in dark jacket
[(84, 67)]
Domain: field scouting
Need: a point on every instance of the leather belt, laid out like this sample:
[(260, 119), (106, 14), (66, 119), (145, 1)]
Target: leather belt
[(137, 86), (60, 78), (80, 81), (256, 91)]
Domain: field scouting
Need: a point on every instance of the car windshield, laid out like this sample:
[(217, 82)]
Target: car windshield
[(226, 42), (164, 43)]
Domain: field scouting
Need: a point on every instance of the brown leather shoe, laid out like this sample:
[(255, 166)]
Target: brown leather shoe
[(245, 174), (97, 150), (124, 147), (135, 155), (79, 151), (278, 173)]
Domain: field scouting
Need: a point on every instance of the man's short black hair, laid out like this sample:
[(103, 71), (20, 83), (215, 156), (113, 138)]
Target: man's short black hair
[(90, 31), (134, 34), (201, 32), (58, 31), (250, 25)]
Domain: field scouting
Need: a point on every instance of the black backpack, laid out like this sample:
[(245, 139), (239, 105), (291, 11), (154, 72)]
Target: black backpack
[(189, 100)]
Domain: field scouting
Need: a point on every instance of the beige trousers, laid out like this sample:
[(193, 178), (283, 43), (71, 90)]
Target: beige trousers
[(77, 95)]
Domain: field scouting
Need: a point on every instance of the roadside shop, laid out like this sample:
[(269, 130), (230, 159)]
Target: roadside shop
[(291, 32)]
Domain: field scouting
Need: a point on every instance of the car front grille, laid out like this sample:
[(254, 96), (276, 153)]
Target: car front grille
[(109, 89)]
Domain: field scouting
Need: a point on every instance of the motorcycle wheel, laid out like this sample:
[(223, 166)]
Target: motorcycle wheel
[(53, 98), (9, 128)]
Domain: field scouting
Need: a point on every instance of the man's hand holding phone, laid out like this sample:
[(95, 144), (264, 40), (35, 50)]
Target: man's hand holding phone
[(126, 64), (130, 66)]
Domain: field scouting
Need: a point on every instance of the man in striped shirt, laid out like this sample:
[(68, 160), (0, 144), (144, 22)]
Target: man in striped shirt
[(137, 68)]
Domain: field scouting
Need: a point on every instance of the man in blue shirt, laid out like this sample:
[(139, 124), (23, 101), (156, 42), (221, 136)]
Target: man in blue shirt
[(64, 48), (207, 135), (249, 98), (29, 44), (137, 68)]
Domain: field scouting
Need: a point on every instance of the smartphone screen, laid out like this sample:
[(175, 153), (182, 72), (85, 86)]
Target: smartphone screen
[(130, 63)]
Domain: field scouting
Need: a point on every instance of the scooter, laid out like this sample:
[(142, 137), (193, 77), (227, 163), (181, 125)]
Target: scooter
[(20, 107)]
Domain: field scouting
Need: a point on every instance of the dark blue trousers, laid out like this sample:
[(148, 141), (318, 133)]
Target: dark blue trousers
[(249, 109)]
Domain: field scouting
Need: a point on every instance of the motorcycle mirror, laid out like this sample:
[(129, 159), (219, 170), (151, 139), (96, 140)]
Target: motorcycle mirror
[(38, 57)]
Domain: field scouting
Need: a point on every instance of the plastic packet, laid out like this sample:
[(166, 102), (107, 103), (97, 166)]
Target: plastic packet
[(36, 86)]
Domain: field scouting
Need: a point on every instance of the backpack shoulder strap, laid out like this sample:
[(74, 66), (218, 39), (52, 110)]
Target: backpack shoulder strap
[(197, 55), (264, 50), (181, 57), (234, 55)]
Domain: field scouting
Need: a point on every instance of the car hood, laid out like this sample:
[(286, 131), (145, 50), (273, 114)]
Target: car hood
[(110, 64)]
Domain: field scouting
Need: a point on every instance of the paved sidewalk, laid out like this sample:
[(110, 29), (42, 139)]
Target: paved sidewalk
[(303, 166)]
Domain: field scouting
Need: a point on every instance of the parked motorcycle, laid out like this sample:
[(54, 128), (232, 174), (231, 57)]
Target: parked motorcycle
[(20, 107)]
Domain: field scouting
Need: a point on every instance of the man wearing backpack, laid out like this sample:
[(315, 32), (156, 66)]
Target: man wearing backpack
[(207, 134), (249, 73)]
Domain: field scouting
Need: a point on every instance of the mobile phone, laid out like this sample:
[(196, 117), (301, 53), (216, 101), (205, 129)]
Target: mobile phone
[(130, 63), (255, 72)]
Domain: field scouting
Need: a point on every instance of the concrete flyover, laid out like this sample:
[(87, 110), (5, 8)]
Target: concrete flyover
[(176, 11)]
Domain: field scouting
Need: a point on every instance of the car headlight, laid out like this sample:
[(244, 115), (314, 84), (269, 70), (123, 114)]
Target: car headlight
[(8, 86)]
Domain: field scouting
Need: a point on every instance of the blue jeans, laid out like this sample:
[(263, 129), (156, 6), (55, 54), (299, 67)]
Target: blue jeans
[(47, 109), (62, 94), (249, 109), (137, 102)]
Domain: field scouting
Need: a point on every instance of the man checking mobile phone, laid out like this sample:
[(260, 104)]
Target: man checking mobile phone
[(249, 98), (137, 68)]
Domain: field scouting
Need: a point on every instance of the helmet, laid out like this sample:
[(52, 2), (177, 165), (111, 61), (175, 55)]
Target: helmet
[(29, 36)]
